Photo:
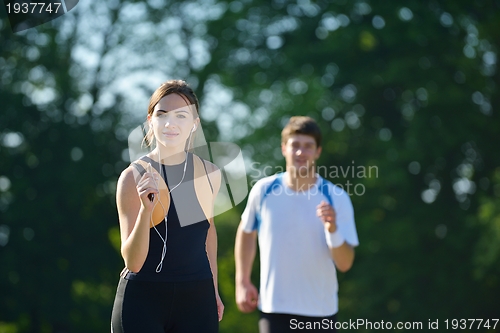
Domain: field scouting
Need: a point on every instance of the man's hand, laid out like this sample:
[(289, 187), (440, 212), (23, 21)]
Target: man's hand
[(327, 215), (247, 296)]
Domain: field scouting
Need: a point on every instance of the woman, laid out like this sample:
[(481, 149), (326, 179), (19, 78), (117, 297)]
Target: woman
[(169, 242)]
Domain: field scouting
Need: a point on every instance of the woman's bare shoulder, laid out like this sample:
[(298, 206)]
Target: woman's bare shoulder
[(128, 178), (210, 166), (214, 174)]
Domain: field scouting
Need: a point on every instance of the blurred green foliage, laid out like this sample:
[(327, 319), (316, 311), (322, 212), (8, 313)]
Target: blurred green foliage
[(410, 89)]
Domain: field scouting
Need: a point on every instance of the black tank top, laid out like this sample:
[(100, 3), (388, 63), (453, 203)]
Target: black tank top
[(186, 256)]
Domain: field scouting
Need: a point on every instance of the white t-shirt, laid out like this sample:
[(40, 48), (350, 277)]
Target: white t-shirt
[(297, 273)]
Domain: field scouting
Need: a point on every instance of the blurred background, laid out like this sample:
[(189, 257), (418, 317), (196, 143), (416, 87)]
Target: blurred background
[(409, 87)]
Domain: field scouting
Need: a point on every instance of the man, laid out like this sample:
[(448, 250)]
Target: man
[(306, 231)]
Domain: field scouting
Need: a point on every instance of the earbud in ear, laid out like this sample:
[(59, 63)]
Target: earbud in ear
[(194, 128)]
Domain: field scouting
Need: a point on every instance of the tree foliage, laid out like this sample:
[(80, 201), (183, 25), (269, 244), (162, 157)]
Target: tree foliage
[(410, 89)]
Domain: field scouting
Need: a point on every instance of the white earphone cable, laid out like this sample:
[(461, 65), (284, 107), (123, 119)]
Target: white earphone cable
[(165, 212)]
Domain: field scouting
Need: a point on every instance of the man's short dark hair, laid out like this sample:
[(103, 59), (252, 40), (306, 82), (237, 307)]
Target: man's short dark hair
[(301, 125)]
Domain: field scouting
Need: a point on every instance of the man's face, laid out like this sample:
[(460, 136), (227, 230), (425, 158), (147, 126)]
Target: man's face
[(300, 152)]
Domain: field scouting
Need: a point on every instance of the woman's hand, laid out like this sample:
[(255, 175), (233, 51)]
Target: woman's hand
[(220, 307), (147, 188)]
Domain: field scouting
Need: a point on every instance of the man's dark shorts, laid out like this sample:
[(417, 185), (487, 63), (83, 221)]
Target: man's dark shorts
[(285, 323)]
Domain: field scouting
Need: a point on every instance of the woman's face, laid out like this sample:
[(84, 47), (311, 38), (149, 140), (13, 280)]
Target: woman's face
[(172, 121)]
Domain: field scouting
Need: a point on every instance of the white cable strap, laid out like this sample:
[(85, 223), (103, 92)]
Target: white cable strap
[(164, 239), (164, 250), (334, 239)]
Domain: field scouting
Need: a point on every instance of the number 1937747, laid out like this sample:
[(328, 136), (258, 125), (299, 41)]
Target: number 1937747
[(463, 324), (33, 8)]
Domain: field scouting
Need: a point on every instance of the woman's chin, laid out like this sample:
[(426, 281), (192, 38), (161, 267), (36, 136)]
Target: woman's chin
[(172, 143)]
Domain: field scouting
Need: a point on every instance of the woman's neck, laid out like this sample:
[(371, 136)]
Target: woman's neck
[(168, 156)]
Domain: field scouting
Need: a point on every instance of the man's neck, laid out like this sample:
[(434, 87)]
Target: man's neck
[(298, 181)]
